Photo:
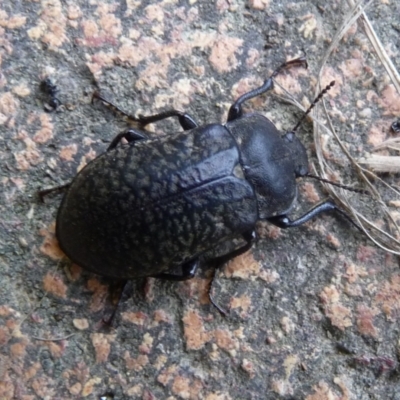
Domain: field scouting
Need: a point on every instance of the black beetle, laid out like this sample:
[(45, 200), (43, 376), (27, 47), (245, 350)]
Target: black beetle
[(396, 126), (49, 88), (158, 207)]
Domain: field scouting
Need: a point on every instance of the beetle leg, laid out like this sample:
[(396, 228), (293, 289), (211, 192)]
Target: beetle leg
[(283, 221), (236, 109), (211, 297), (188, 271), (249, 237), (52, 105), (185, 120), (130, 135), (45, 192), (116, 291)]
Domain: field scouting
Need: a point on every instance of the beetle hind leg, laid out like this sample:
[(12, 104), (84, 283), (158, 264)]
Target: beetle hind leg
[(189, 268), (116, 291), (57, 189), (249, 237), (188, 272)]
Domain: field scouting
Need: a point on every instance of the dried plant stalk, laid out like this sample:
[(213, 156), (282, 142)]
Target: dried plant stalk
[(378, 163), (386, 239)]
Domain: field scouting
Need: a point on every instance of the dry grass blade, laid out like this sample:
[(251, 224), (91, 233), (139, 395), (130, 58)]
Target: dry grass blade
[(351, 18), (387, 240), (378, 47), (390, 144), (378, 163)]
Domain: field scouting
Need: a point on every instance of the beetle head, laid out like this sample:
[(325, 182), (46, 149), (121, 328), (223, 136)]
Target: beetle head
[(299, 153)]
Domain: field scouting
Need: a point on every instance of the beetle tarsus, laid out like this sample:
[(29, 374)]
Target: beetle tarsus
[(211, 297), (131, 135), (116, 292), (212, 301), (249, 237), (43, 193)]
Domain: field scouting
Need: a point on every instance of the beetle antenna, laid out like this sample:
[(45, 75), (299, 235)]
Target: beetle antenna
[(338, 184), (317, 99)]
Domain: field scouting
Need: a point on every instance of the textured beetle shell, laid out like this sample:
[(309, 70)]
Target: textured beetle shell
[(147, 207)]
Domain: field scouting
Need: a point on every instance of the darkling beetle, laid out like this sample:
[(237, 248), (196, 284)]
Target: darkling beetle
[(158, 207)]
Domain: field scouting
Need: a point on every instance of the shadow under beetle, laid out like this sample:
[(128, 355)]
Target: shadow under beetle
[(158, 207)]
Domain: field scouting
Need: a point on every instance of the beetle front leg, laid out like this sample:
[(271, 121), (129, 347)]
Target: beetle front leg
[(236, 109), (283, 221)]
